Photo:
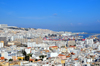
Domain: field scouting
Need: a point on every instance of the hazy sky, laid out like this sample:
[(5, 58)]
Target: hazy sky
[(69, 15)]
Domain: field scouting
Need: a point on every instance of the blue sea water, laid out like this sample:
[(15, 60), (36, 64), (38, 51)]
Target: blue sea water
[(99, 36), (85, 35), (89, 33)]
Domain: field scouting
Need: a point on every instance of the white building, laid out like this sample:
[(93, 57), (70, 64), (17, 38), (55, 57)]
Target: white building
[(27, 50), (99, 47), (1, 44), (89, 41), (31, 44), (55, 54)]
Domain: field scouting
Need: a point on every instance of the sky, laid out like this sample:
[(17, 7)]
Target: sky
[(57, 15)]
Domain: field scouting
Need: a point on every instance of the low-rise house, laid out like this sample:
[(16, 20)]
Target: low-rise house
[(28, 50), (52, 54), (61, 56), (1, 44), (53, 47)]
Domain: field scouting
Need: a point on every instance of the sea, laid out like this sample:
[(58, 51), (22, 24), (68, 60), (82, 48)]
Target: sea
[(90, 34), (86, 35)]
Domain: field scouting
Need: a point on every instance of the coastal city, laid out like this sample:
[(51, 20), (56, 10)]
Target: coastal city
[(43, 47)]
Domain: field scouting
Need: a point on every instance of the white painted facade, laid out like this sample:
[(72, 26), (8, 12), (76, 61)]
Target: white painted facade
[(27, 50), (1, 44), (52, 54)]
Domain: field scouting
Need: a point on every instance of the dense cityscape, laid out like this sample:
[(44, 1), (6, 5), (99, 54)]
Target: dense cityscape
[(44, 47), (49, 32)]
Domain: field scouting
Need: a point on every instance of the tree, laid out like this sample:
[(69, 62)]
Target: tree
[(30, 55), (36, 60), (27, 58), (42, 56), (10, 59), (19, 58), (23, 58), (74, 45), (45, 36), (24, 53), (45, 55)]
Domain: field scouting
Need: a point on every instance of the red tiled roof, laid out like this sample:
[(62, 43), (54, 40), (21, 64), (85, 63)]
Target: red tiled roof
[(2, 58), (49, 57), (52, 46), (61, 55), (73, 53), (46, 50), (76, 59), (72, 46), (28, 47), (31, 60), (67, 56), (39, 60)]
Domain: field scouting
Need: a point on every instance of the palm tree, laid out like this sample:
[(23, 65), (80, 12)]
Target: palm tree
[(27, 57), (24, 53), (30, 55)]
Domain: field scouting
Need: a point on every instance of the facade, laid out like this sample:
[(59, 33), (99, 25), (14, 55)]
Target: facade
[(52, 54), (89, 41), (71, 43), (1, 44)]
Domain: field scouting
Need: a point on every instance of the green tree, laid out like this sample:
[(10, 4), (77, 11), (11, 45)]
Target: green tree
[(30, 55), (10, 59), (45, 55), (19, 58), (23, 52), (27, 58), (36, 59), (42, 56)]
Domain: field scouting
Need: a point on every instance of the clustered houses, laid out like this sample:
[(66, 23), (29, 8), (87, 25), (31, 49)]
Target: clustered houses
[(42, 47)]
